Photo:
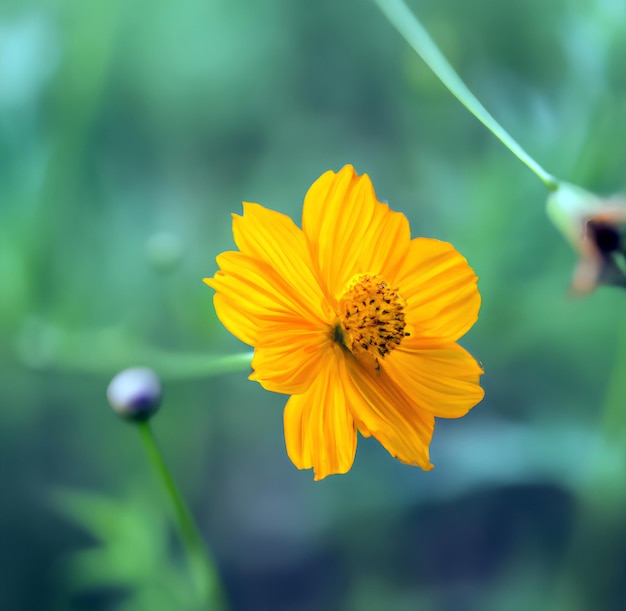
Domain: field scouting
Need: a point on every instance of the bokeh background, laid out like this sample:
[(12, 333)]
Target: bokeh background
[(129, 131)]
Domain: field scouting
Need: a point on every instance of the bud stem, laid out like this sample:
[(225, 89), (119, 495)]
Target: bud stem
[(205, 575), (414, 33)]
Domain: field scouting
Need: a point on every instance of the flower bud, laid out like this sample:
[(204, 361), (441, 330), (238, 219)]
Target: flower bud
[(135, 394), (595, 228)]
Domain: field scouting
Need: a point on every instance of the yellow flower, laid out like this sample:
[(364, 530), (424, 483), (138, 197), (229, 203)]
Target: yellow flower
[(354, 320)]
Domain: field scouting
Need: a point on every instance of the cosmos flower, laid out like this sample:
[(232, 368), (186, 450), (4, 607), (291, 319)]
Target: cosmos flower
[(353, 319)]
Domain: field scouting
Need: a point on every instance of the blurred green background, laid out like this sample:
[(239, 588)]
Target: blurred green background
[(129, 131)]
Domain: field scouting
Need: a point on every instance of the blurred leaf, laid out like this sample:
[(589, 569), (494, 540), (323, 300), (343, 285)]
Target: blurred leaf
[(133, 551)]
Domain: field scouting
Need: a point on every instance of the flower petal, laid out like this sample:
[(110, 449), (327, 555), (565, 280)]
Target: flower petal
[(256, 306), (240, 324), (439, 286), (391, 416), (289, 359), (443, 381), (319, 429), (275, 239), (349, 231), (254, 298)]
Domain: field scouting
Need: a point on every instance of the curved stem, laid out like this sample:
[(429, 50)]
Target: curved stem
[(205, 575), (414, 33)]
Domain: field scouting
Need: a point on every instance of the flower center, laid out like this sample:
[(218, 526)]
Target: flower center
[(371, 318)]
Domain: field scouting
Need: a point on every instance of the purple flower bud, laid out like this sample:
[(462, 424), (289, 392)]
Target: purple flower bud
[(135, 394)]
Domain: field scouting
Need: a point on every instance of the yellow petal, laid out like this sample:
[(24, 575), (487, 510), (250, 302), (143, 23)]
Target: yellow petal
[(349, 231), (254, 298), (443, 381), (241, 325), (391, 416), (442, 298), (290, 359), (274, 238), (319, 429)]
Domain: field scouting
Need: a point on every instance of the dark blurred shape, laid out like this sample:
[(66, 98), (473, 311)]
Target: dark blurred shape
[(594, 226), (608, 240)]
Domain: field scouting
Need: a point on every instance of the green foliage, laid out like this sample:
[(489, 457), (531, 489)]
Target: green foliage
[(133, 552)]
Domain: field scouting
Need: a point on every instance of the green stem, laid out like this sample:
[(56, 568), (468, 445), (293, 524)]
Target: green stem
[(103, 352), (414, 33), (205, 575), (183, 366)]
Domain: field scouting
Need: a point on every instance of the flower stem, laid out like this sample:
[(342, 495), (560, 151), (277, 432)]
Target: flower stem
[(207, 582), (101, 352), (414, 33)]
